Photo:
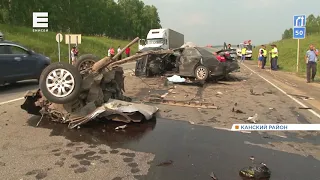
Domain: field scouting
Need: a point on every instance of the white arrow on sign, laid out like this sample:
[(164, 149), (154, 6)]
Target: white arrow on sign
[(59, 37)]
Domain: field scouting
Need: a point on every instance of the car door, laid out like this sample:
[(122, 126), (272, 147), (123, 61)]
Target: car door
[(7, 65), (26, 63), (190, 57)]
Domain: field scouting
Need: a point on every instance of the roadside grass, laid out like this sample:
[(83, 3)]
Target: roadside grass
[(288, 53), (45, 42)]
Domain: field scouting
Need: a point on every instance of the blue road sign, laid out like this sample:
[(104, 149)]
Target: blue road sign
[(299, 20), (299, 32)]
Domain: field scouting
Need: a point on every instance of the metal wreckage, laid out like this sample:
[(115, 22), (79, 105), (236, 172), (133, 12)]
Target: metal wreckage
[(92, 88)]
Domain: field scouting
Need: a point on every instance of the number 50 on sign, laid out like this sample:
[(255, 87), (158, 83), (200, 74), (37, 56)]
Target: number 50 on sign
[(299, 32)]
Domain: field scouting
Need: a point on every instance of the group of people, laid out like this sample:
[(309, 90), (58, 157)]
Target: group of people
[(111, 52), (263, 55), (311, 58)]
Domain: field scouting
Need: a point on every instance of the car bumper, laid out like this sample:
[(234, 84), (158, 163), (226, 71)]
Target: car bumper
[(247, 55)]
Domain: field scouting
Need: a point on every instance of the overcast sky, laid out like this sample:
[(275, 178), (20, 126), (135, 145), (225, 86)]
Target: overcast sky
[(216, 21)]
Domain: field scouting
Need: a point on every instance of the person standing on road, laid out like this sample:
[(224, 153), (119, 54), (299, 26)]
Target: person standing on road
[(260, 57), (109, 54), (74, 54), (265, 54), (243, 53), (118, 50), (274, 57), (311, 61), (128, 51), (112, 51)]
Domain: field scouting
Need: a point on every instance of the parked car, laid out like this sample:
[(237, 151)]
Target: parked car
[(19, 63), (197, 62)]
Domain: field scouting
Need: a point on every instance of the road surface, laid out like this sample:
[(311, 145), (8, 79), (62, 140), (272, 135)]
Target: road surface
[(182, 143)]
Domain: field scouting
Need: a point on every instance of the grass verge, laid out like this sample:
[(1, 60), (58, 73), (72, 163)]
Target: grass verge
[(288, 53), (45, 42)]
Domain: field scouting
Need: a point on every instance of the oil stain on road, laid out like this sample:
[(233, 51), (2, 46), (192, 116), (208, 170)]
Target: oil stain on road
[(185, 151)]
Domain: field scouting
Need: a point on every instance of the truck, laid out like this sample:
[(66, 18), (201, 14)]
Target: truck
[(248, 46), (162, 39)]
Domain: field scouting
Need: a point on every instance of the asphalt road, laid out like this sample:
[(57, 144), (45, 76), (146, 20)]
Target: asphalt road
[(161, 149)]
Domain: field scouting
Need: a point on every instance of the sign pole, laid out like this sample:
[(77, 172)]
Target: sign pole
[(59, 49), (298, 53), (299, 32), (69, 50), (59, 38)]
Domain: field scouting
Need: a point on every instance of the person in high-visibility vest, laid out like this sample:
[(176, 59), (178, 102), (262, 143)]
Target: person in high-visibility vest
[(265, 55), (274, 57), (243, 53)]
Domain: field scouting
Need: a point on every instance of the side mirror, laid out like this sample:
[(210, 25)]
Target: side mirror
[(30, 52)]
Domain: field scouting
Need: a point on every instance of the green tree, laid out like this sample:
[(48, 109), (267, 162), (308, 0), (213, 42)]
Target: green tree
[(124, 19)]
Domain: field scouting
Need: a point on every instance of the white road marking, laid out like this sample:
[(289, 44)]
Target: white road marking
[(10, 101), (291, 97)]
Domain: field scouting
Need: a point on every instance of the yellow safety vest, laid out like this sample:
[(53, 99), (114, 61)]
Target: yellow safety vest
[(274, 53), (265, 53), (243, 51)]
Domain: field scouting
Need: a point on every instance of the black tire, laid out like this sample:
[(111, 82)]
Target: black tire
[(201, 73), (74, 77), (86, 59)]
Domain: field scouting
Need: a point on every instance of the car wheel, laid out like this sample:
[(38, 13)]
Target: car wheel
[(60, 82), (201, 73), (85, 61)]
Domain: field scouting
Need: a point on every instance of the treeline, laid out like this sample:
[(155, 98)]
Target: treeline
[(312, 26), (124, 19)]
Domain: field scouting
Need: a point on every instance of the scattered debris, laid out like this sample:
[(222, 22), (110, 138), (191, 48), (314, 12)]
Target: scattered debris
[(267, 92), (251, 158), (193, 104), (235, 104), (4, 112), (309, 98), (98, 91), (253, 119), (237, 111), (120, 127), (191, 122), (176, 79), (256, 172), (213, 176), (305, 108), (165, 163), (262, 94), (220, 93), (271, 108), (302, 96)]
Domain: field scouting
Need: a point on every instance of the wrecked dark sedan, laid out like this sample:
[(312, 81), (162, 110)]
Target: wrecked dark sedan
[(200, 63)]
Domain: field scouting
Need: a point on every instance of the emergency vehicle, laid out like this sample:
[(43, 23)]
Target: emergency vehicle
[(248, 46)]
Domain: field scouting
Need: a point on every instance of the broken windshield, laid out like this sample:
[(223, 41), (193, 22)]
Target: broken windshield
[(155, 41)]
